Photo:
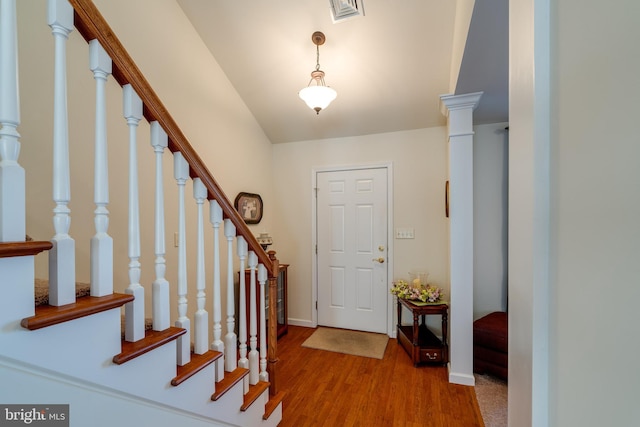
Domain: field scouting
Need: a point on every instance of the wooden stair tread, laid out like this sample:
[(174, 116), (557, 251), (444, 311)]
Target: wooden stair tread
[(229, 380), (48, 315), (11, 249), (197, 363), (254, 392), (272, 404), (152, 339)]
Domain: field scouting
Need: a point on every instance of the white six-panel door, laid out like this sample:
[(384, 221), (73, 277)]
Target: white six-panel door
[(352, 249)]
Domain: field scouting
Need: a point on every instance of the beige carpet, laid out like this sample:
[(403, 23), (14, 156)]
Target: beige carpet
[(491, 393), (345, 341)]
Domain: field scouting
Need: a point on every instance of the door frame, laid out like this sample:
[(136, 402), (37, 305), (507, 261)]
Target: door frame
[(391, 331)]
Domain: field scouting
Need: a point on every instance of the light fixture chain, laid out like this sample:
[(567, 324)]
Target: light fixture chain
[(317, 58)]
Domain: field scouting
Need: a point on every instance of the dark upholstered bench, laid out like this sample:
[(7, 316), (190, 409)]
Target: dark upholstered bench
[(490, 345)]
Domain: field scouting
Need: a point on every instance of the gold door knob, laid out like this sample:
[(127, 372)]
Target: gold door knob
[(380, 260)]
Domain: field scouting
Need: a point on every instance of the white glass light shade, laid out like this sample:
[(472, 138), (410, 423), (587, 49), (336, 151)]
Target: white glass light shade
[(317, 97)]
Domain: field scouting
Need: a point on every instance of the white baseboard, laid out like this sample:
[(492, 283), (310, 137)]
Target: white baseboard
[(302, 322), (459, 378)]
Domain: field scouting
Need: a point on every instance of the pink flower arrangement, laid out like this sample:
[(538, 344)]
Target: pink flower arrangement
[(416, 291)]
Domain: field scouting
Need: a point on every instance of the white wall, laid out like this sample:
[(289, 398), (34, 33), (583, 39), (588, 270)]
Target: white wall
[(196, 93), (490, 204), (595, 243), (419, 160), (574, 362)]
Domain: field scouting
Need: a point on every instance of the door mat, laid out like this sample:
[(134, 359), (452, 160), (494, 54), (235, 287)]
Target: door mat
[(357, 343)]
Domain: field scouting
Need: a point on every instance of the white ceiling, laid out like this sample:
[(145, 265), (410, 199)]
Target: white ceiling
[(389, 67)]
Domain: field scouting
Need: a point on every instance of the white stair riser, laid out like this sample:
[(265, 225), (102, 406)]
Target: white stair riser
[(17, 291)]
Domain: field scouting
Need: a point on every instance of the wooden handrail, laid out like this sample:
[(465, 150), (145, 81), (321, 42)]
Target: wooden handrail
[(92, 25)]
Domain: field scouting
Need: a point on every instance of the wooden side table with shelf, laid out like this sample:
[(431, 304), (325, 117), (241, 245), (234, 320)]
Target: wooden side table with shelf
[(422, 345)]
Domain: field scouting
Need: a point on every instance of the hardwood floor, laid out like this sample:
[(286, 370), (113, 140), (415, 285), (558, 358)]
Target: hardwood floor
[(332, 389)]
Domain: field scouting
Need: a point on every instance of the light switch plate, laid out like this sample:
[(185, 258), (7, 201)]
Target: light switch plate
[(404, 233)]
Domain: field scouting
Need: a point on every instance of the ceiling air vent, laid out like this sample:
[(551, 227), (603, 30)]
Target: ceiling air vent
[(346, 9)]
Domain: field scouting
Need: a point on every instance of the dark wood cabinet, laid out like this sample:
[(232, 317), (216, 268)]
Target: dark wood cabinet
[(281, 300), (422, 345)]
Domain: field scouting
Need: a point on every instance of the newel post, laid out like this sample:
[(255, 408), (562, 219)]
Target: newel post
[(272, 355)]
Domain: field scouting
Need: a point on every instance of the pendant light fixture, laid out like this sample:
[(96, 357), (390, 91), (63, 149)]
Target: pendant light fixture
[(317, 94)]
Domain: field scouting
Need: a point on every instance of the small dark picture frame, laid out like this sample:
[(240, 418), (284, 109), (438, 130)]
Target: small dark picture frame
[(249, 206)]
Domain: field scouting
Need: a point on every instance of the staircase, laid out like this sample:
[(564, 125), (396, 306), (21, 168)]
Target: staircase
[(191, 368)]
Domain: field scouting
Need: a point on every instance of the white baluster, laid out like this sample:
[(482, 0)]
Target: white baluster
[(253, 322), (262, 279), (12, 181), (161, 317), (101, 242), (62, 276), (134, 311), (243, 362), (201, 326), (230, 338), (215, 217), (181, 174)]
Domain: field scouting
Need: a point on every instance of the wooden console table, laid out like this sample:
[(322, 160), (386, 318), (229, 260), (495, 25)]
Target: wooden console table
[(418, 341)]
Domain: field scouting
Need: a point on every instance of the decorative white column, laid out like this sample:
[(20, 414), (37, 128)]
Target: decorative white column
[(101, 242), (62, 263), (160, 287), (134, 310), (12, 181), (459, 109)]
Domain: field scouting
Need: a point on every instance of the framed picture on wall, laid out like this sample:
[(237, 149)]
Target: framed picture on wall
[(249, 206)]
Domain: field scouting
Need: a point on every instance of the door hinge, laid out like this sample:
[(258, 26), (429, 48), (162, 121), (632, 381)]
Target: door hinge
[(316, 249), (316, 305), (316, 191)]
